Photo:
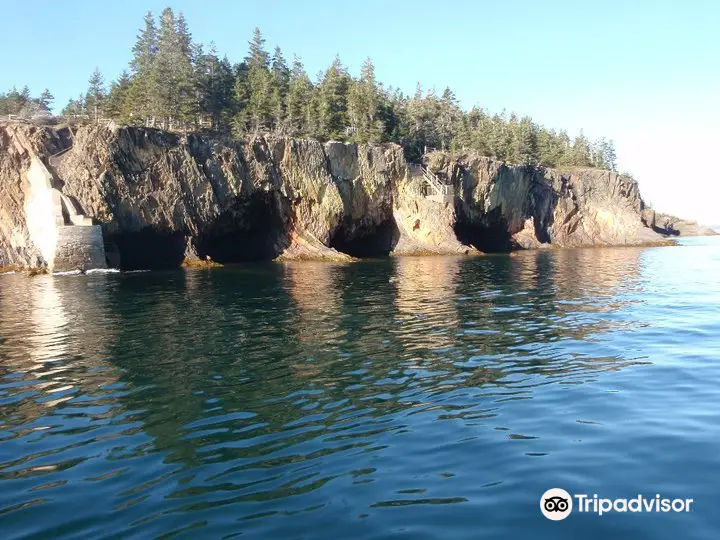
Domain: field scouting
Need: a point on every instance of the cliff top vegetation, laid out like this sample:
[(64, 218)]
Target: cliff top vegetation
[(175, 83)]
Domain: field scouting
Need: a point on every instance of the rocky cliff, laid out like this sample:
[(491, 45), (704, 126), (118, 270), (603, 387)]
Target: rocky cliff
[(668, 225), (162, 197)]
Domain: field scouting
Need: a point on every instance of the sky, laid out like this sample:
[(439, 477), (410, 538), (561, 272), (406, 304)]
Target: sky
[(644, 73)]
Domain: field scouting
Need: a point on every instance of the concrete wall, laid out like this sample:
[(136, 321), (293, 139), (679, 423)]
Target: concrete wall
[(79, 248), (43, 210)]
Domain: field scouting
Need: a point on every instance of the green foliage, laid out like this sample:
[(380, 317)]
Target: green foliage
[(215, 84), (117, 99), (258, 56), (174, 78), (95, 97), (22, 104), (299, 101), (333, 101), (363, 106), (172, 83)]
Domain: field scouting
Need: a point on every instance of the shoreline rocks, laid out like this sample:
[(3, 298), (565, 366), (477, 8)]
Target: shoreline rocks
[(163, 198)]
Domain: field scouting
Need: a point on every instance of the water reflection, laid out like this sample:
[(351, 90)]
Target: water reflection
[(275, 390), (426, 303)]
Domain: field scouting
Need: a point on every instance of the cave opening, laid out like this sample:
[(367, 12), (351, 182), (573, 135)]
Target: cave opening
[(365, 242), (493, 238), (146, 249), (252, 230)]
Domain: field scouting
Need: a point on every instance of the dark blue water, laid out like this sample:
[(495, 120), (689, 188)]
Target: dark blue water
[(404, 398)]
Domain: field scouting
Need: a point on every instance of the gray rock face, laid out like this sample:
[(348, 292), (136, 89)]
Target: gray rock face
[(668, 225), (502, 205), (161, 197)]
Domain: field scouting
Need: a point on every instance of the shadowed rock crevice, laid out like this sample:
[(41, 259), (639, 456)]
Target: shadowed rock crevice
[(490, 236), (251, 230), (366, 242), (147, 249)]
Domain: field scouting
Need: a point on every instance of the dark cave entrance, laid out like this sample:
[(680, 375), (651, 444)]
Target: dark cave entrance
[(489, 239), (147, 249), (250, 231), (490, 235), (366, 242)]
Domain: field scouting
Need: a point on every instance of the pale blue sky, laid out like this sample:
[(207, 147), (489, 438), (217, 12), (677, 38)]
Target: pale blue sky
[(644, 73)]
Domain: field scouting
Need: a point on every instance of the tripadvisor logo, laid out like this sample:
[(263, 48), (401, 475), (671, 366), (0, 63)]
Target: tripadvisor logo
[(557, 504)]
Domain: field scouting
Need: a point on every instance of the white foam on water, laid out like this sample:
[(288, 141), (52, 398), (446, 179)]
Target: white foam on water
[(69, 273), (102, 271)]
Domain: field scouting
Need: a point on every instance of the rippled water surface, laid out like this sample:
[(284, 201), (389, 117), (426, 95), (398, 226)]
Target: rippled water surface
[(401, 398)]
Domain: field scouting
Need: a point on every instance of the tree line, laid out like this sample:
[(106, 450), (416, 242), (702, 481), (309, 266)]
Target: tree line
[(22, 104), (175, 83)]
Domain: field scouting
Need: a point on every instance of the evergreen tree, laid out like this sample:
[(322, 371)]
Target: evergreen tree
[(75, 107), (45, 100), (142, 94), (279, 86), (609, 155), (363, 104), (216, 88), (174, 75), (260, 103), (258, 56), (526, 150), (448, 119), (299, 100), (241, 120), (580, 153), (95, 96), (12, 102), (333, 98), (116, 104)]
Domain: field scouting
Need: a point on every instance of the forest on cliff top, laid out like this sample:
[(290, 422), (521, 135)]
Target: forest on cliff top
[(177, 84)]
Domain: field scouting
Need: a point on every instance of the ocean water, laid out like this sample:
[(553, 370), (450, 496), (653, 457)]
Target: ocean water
[(434, 397)]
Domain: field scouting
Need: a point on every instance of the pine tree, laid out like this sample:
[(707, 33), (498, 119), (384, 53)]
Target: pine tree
[(116, 104), (260, 103), (526, 142), (95, 97), (279, 85), (174, 74), (610, 157), (75, 107), (448, 118), (216, 87), (363, 102), (333, 99), (254, 89), (241, 119), (142, 94), (258, 56), (299, 99), (580, 153), (391, 112), (46, 99), (13, 102)]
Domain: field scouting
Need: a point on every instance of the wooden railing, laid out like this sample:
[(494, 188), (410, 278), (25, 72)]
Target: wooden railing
[(431, 186)]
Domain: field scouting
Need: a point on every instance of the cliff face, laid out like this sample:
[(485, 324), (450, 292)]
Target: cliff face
[(668, 225), (501, 206), (161, 197)]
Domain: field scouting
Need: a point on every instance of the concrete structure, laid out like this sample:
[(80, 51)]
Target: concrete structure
[(79, 248), (66, 239)]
